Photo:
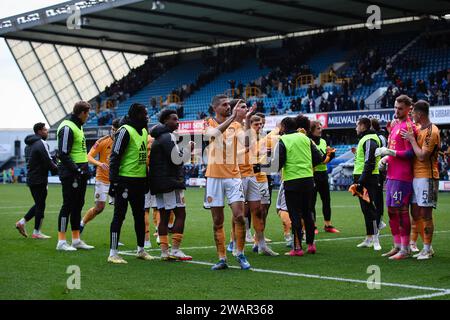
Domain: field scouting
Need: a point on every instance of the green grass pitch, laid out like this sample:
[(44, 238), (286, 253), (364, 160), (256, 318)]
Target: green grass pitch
[(33, 269)]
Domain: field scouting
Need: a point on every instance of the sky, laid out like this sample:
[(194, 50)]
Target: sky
[(18, 108)]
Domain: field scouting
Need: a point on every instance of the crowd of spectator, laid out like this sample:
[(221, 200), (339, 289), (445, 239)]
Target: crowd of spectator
[(435, 89), (194, 171), (444, 155), (139, 77), (286, 66), (437, 94), (120, 90), (216, 62)]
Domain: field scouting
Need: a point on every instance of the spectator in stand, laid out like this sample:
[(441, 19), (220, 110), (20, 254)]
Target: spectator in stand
[(312, 106), (443, 167), (345, 89), (201, 115), (384, 101), (210, 111), (180, 111), (362, 104), (322, 105), (98, 103), (293, 104), (280, 106), (339, 104), (273, 111), (232, 84), (153, 104), (305, 105), (332, 74), (260, 106), (240, 88)]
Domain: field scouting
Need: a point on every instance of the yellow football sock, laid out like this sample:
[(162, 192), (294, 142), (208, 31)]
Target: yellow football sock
[(239, 231), (258, 222), (417, 228), (258, 226), (176, 240), (164, 242), (147, 225), (219, 238), (428, 231)]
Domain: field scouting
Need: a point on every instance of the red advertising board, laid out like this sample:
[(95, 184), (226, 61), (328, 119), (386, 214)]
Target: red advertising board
[(191, 127), (323, 118)]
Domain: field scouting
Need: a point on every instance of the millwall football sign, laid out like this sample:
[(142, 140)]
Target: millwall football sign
[(349, 119)]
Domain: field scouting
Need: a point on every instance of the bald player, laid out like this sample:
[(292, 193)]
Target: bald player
[(224, 179)]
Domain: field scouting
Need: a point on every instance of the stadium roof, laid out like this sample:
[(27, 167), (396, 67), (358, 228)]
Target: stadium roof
[(63, 63), (132, 25)]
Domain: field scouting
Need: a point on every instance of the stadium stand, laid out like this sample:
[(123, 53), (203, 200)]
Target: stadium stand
[(374, 64), (199, 101), (177, 76), (422, 72)]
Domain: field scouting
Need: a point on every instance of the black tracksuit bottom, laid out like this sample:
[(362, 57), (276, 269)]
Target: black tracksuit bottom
[(298, 194), (39, 193), (270, 184), (380, 196), (134, 194), (73, 191), (369, 210), (323, 188)]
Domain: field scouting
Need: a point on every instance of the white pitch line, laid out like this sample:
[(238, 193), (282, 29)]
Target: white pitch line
[(441, 291), (283, 242), (316, 276), (426, 296)]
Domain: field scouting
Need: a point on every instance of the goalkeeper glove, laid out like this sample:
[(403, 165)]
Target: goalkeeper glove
[(383, 151), (360, 191), (382, 165)]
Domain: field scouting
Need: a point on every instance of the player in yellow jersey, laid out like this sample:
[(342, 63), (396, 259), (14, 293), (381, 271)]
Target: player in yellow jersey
[(259, 157), (262, 142), (223, 177), (251, 192), (251, 189), (426, 175), (102, 149)]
